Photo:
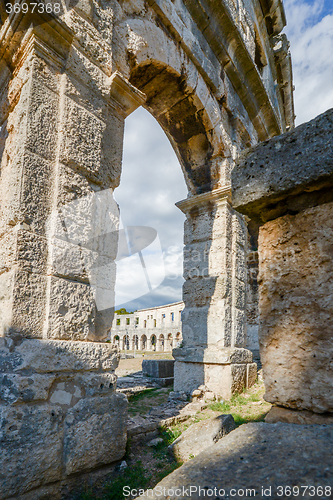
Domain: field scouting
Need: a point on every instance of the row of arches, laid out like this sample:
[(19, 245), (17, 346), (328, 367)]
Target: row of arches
[(153, 343)]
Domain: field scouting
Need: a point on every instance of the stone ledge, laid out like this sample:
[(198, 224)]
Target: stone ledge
[(224, 356), (285, 415), (47, 356), (287, 173)]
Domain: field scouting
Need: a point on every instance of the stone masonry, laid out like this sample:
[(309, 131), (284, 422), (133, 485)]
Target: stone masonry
[(218, 79), (285, 184)]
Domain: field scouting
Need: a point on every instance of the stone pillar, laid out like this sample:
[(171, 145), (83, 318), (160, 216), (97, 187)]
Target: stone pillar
[(285, 185), (214, 318), (61, 151)]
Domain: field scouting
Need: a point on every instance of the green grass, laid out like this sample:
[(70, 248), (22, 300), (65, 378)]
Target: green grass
[(222, 407), (239, 419), (169, 435), (146, 393), (135, 477)]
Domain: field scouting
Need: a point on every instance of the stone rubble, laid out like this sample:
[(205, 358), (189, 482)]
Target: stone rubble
[(200, 436)]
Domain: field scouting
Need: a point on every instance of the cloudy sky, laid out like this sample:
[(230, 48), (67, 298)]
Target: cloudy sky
[(152, 181)]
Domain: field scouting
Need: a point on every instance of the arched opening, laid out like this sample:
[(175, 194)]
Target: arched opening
[(151, 183), (135, 343), (116, 340), (126, 343), (170, 342), (160, 346), (178, 339), (143, 343), (153, 343)]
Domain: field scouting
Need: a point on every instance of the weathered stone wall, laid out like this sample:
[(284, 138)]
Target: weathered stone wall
[(296, 307), (59, 413), (285, 185), (208, 75)]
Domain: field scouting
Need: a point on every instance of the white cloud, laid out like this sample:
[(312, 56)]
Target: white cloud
[(310, 31), (151, 183)]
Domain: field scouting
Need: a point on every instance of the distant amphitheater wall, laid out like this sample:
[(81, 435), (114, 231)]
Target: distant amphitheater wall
[(153, 329)]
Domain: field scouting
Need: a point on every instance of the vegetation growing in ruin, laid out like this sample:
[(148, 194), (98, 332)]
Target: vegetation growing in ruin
[(141, 403), (147, 466)]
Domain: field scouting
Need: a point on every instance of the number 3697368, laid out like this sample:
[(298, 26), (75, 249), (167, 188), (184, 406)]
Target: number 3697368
[(40, 7)]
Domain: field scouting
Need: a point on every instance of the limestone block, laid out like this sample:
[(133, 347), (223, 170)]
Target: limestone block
[(195, 325), (296, 309), (72, 310), (239, 229), (302, 417), (44, 75), (42, 120), (239, 262), (69, 389), (26, 250), (95, 432), (198, 227), (250, 457), (15, 388), (26, 191), (82, 141), (158, 368), (251, 374), (91, 101), (239, 294), (238, 377), (90, 40), (200, 436), (31, 446), (23, 303), (198, 292), (197, 253), (96, 150), (6, 297), (68, 260), (188, 376), (73, 185), (239, 334), (213, 355), (97, 384), (91, 221), (104, 317), (224, 380), (47, 356), (87, 72), (287, 173)]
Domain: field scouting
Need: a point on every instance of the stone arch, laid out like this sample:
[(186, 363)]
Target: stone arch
[(185, 121), (169, 342), (143, 342), (179, 98), (116, 340), (152, 343), (135, 342), (161, 344), (126, 343)]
